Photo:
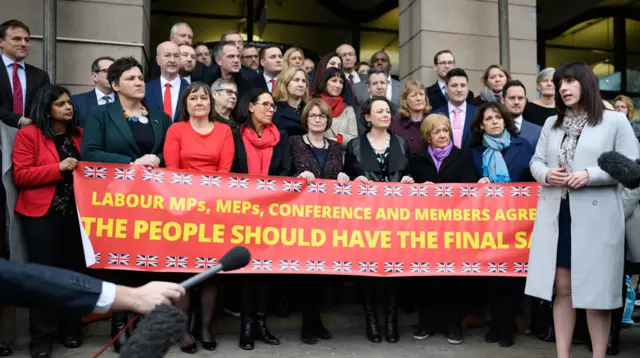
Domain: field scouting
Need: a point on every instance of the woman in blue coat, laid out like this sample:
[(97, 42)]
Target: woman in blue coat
[(500, 156)]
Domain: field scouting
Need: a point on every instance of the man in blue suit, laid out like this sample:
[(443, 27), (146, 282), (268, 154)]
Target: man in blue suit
[(164, 92), (459, 112), (101, 94), (514, 97)]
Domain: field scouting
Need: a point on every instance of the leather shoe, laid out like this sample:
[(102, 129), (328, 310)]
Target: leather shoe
[(72, 342), (190, 349), (210, 346), (5, 351), (40, 354)]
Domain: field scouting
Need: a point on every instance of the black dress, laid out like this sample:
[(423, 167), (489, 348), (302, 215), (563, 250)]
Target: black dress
[(563, 258), (537, 114)]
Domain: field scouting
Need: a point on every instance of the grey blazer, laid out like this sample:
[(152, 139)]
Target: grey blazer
[(17, 245), (362, 93)]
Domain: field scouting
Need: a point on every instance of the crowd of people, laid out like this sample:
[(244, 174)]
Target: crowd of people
[(256, 110)]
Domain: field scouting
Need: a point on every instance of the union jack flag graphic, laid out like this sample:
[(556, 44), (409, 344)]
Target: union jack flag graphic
[(393, 267), (367, 266), (292, 186), (419, 190), (205, 262), (118, 259), (497, 267), (520, 191), (154, 176), (266, 184), (341, 266), (494, 192), (239, 183), (289, 265), (95, 172), (98, 257), (320, 188), (443, 190), (473, 267), (210, 180), (176, 261), (261, 265), (445, 267), (466, 191), (146, 261), (316, 266), (419, 267), (521, 267), (342, 189), (124, 174), (181, 179), (539, 190), (392, 190), (367, 190)]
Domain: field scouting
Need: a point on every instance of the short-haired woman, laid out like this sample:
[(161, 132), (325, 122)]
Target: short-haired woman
[(332, 89), (544, 107), (292, 91), (493, 79), (44, 157), (577, 246)]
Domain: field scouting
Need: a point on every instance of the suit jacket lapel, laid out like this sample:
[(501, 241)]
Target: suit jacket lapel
[(116, 115), (30, 75), (92, 98), (466, 132), (5, 84), (157, 130), (183, 87), (156, 91)]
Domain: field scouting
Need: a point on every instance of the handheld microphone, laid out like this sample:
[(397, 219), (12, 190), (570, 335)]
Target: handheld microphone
[(621, 168), (235, 259)]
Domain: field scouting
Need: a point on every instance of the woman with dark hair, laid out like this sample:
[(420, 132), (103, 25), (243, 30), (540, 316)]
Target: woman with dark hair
[(197, 142), (330, 60), (493, 79), (44, 157), (332, 89), (260, 149), (378, 156), (577, 245), (125, 132)]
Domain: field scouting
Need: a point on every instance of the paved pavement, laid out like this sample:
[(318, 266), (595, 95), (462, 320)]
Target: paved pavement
[(351, 343)]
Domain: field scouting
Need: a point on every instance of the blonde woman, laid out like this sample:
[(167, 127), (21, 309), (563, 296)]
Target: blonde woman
[(293, 57), (292, 91), (493, 79), (624, 105), (414, 107)]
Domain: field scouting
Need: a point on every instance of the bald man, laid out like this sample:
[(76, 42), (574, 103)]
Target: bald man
[(349, 59), (164, 92)]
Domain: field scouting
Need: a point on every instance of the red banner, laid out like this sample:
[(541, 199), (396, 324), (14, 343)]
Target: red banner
[(183, 221)]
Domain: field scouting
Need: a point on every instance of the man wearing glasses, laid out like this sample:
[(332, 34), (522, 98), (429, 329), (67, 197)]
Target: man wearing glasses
[(225, 96), (250, 58), (443, 62), (101, 94)]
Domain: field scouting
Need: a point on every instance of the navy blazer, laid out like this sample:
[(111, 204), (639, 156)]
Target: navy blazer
[(517, 156), (154, 95), (471, 112), (82, 104), (437, 98), (531, 132)]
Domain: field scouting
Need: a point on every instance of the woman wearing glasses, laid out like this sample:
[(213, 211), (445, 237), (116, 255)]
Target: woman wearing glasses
[(225, 97), (260, 149), (290, 95)]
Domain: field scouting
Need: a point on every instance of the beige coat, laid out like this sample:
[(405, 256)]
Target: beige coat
[(344, 124), (597, 218)]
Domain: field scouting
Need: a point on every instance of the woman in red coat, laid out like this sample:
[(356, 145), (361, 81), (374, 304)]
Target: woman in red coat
[(44, 157), (198, 142)]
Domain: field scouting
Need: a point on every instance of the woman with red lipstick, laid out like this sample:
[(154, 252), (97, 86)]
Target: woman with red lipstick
[(577, 246), (44, 157)]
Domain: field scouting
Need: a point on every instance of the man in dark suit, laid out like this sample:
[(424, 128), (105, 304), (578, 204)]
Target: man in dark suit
[(227, 57), (443, 62), (459, 112), (19, 82), (349, 59), (101, 94), (189, 71), (514, 97), (164, 93), (393, 93)]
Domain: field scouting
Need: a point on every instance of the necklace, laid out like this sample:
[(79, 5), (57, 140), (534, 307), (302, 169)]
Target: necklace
[(379, 149), (324, 142)]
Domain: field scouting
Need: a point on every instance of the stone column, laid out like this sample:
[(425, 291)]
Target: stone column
[(87, 29), (469, 28)]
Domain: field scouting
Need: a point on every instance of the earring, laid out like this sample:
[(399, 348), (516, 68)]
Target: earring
[(368, 125)]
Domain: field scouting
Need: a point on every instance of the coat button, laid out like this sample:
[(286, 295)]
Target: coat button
[(595, 202)]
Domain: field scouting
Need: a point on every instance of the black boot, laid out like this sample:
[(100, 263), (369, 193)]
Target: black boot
[(307, 336), (391, 323), (613, 347), (373, 334), (543, 324), (319, 330), (246, 333), (118, 321), (261, 332)]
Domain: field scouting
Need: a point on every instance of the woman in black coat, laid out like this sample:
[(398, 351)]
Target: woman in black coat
[(378, 156)]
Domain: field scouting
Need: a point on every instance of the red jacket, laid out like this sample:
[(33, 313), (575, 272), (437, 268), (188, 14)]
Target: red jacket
[(36, 170)]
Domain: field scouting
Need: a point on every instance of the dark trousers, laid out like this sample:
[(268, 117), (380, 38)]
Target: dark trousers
[(506, 295), (53, 240), (255, 295), (377, 291), (442, 302)]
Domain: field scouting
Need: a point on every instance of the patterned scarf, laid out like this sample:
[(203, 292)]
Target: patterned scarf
[(493, 165), (573, 124), (488, 95)]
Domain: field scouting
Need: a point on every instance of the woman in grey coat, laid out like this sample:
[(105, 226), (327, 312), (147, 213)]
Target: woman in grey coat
[(577, 248)]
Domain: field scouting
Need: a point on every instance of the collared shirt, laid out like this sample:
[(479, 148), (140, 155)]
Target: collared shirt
[(267, 79), (22, 75), (518, 122), (187, 78), (356, 77), (443, 87), (389, 82), (463, 112), (102, 98), (106, 299), (175, 91), (409, 130)]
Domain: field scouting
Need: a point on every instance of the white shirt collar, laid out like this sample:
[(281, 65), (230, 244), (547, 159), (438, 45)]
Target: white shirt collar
[(100, 95), (7, 61), (187, 78), (174, 84), (463, 107), (518, 121)]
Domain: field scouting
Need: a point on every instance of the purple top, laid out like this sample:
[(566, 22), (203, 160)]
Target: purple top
[(409, 131)]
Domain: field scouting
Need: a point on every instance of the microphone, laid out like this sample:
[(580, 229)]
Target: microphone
[(234, 259), (621, 168)]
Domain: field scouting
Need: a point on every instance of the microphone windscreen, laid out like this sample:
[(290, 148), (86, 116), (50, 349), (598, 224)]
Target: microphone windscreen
[(620, 168), (235, 259), (155, 334)]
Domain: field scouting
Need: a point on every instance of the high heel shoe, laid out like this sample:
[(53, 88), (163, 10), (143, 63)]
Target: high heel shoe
[(190, 348), (118, 321), (210, 346), (261, 332), (371, 316), (246, 333)]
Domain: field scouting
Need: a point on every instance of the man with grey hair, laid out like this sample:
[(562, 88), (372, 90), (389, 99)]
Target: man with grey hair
[(227, 57), (225, 96), (181, 34), (349, 59)]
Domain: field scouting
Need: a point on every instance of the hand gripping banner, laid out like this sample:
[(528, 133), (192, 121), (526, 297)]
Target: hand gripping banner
[(183, 221)]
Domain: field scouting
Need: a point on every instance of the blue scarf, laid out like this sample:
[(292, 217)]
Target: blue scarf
[(493, 164)]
